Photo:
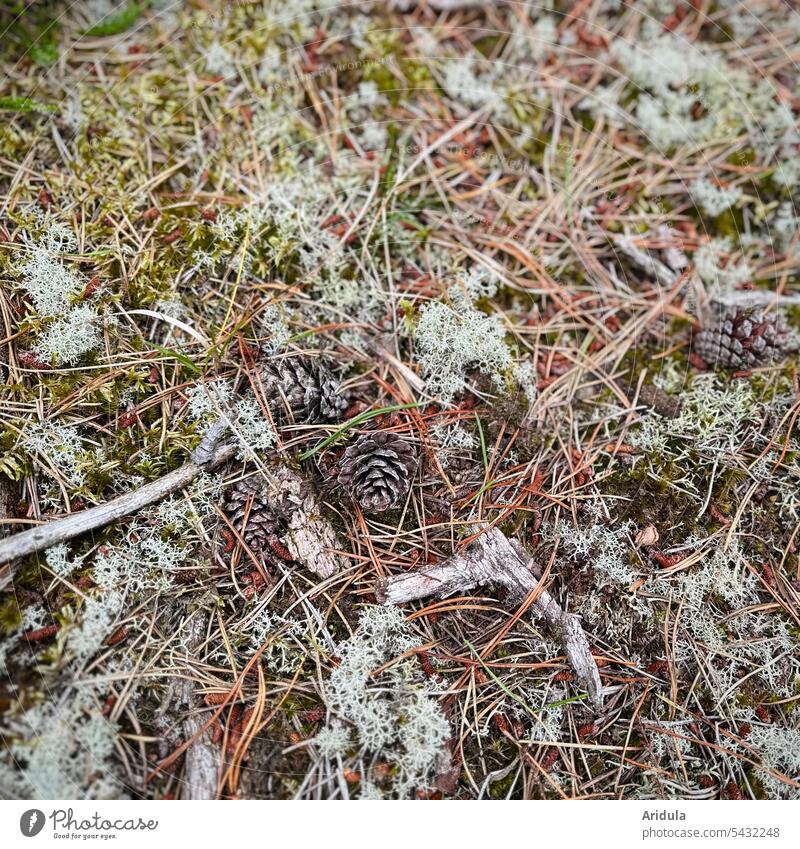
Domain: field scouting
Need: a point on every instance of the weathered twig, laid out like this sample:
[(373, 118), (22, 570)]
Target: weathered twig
[(493, 558), (205, 451), (663, 275), (311, 539), (756, 298), (61, 530), (667, 277), (203, 757)]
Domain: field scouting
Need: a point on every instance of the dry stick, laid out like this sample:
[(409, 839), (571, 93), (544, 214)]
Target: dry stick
[(666, 277), (493, 558), (203, 758), (310, 538), (649, 264), (61, 530), (208, 455), (229, 696)]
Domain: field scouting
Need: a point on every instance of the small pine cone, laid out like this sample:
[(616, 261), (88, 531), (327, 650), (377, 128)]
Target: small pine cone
[(744, 338), (377, 469), (250, 513), (302, 390), (461, 469)]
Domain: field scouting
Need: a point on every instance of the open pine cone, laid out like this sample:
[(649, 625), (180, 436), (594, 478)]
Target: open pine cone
[(302, 390), (377, 469), (740, 337), (249, 512)]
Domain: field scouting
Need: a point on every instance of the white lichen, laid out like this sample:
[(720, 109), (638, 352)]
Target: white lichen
[(60, 447), (452, 342), (392, 715), (712, 198), (71, 336)]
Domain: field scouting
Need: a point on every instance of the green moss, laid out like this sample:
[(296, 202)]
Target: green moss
[(24, 104), (120, 22), (10, 615), (648, 497), (30, 31)]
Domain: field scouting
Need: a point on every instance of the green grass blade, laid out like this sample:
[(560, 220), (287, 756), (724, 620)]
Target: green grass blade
[(354, 422), (176, 355), (511, 695), (24, 104), (484, 455)]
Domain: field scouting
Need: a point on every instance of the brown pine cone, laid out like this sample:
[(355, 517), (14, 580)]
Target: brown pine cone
[(377, 469), (302, 390), (743, 338), (250, 513)]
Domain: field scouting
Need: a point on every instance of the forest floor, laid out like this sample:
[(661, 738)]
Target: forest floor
[(491, 232)]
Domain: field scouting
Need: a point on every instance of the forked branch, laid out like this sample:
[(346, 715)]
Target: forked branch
[(493, 558)]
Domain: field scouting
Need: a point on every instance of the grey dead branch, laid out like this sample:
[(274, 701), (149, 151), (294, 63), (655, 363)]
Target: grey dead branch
[(310, 537), (74, 525), (659, 271), (495, 559), (666, 274), (203, 758)]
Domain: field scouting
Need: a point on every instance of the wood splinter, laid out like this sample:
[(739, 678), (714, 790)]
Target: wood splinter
[(493, 558)]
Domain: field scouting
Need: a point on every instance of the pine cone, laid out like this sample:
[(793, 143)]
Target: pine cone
[(250, 513), (744, 338), (377, 468), (301, 390)]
